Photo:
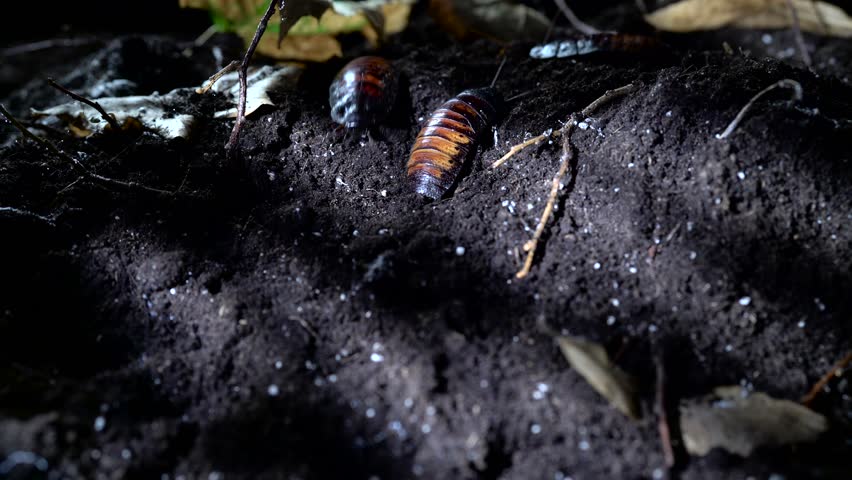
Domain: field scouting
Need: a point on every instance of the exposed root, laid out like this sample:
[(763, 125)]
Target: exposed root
[(243, 71), (521, 146), (817, 388), (566, 160), (77, 165), (113, 123), (785, 83)]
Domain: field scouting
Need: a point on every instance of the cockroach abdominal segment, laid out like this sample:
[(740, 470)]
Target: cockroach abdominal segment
[(450, 135), (363, 93)]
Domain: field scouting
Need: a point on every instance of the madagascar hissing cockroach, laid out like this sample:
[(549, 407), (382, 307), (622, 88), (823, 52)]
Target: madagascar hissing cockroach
[(450, 135), (600, 42), (363, 92)]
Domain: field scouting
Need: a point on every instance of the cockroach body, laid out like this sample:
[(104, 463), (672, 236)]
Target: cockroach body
[(451, 135), (364, 92), (601, 42)]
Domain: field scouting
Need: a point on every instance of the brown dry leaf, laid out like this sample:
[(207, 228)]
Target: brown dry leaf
[(501, 20), (591, 361), (740, 421), (691, 15)]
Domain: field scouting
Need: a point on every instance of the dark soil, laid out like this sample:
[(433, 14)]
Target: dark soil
[(302, 315)]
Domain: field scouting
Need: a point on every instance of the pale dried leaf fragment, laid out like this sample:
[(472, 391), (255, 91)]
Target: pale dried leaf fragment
[(261, 82), (502, 20), (691, 15), (740, 421), (591, 361)]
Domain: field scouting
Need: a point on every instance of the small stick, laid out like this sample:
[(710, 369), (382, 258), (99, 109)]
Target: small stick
[(662, 412), (46, 45), (567, 156), (836, 370), (27, 214), (113, 123), (519, 147), (76, 164), (576, 22), (785, 83), (216, 76), (800, 39), (243, 70)]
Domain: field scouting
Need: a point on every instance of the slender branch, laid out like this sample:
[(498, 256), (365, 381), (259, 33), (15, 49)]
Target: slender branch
[(567, 157), (576, 22), (785, 83), (243, 71), (527, 143), (113, 123), (812, 394), (76, 164), (27, 214), (797, 32), (216, 76)]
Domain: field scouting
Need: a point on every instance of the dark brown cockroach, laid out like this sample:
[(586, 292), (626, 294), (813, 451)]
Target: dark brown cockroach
[(601, 42), (449, 137), (363, 92)]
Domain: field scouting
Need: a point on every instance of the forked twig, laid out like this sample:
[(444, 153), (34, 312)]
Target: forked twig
[(835, 370), (113, 123), (27, 214), (566, 157), (785, 83), (216, 76), (76, 164), (243, 71), (527, 143)]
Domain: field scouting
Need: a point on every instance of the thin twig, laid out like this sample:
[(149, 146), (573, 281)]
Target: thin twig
[(785, 83), (76, 164), (567, 156), (836, 370), (660, 406), (27, 214), (519, 147), (576, 22), (241, 105), (797, 32), (216, 76), (113, 123), (46, 45)]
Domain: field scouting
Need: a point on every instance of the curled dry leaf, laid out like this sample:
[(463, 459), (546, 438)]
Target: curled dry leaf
[(691, 15), (591, 361), (740, 421), (501, 20), (309, 29), (261, 81)]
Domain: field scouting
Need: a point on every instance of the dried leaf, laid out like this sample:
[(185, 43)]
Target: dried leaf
[(501, 20), (592, 363), (740, 421), (308, 28), (260, 81), (691, 15), (152, 111)]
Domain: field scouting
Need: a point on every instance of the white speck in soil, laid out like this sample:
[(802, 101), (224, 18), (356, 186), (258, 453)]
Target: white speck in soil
[(126, 454), (426, 428), (460, 250), (408, 403), (632, 270), (430, 410), (215, 476), (173, 291), (693, 255), (801, 324), (376, 357), (310, 365), (741, 175), (657, 474), (370, 413), (766, 39), (615, 302), (584, 445), (535, 429), (820, 306), (278, 364), (332, 378), (342, 297), (652, 328), (597, 266), (272, 390), (610, 320), (100, 424), (669, 113), (745, 301), (728, 348), (483, 383)]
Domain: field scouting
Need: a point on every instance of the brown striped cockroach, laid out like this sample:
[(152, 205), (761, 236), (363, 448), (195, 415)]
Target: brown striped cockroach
[(600, 42), (364, 92), (450, 136)]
